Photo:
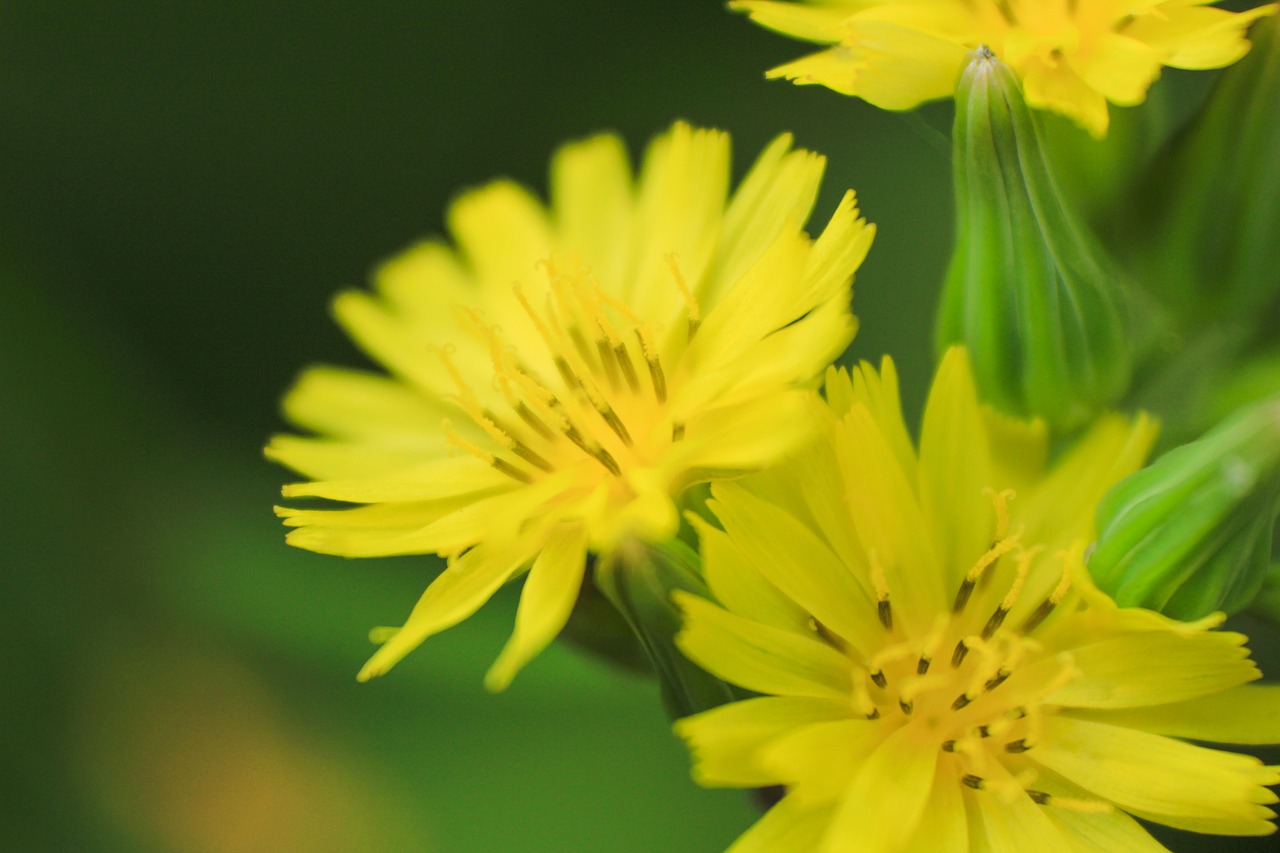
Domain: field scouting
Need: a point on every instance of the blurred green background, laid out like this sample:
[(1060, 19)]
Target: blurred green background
[(184, 185)]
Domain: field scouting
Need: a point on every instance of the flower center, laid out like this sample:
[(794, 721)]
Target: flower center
[(597, 406), (974, 685)]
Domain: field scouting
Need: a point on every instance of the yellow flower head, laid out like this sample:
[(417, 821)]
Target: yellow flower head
[(938, 672), (567, 370), (1072, 55)]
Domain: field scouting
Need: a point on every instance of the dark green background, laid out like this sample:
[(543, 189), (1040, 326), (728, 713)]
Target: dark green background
[(182, 188)]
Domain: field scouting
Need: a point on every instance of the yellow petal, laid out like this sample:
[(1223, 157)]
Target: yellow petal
[(744, 437), (776, 195), (1014, 823), (353, 404), (817, 762), (440, 478), (1154, 668), (1161, 779), (820, 23), (726, 741), (1197, 37), (1248, 714), (322, 459), (453, 596), (550, 590), (760, 657), (683, 185), (788, 827), (501, 231), (739, 587), (796, 561), (1120, 68), (1059, 88), (591, 198), (886, 801), (946, 827), (955, 468)]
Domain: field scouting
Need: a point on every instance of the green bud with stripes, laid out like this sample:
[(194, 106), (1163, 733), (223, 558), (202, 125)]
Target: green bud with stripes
[(1191, 534), (1030, 290)]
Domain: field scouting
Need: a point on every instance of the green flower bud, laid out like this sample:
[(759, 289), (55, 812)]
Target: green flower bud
[(1030, 291), (1191, 533), (1200, 227), (639, 580)]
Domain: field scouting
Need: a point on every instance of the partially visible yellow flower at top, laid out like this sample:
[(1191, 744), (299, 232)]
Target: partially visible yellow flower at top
[(1073, 56), (938, 674), (563, 374)]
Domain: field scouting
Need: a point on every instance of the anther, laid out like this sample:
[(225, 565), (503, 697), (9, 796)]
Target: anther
[(948, 746), (874, 715), (623, 357), (658, 378), (510, 470), (957, 657), (983, 731), (962, 595), (1039, 797), (961, 701), (615, 423), (605, 352), (596, 452), (1000, 677), (994, 623), (1046, 606), (885, 612), (677, 431), (527, 415), (922, 666), (907, 707), (879, 679), (690, 303), (972, 781), (519, 449), (1017, 746)]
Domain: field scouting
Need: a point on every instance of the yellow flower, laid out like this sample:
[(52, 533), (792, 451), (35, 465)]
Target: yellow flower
[(568, 370), (1073, 56), (938, 673)]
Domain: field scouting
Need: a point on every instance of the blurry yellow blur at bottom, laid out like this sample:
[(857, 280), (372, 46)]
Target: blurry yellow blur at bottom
[(185, 749)]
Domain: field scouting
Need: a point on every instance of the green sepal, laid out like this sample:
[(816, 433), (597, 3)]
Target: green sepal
[(1191, 534), (639, 580), (1200, 228), (1030, 291)]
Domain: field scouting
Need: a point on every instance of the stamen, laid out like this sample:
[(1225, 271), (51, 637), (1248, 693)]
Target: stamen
[(593, 450), (658, 378), (994, 623), (983, 731), (623, 357), (605, 351), (677, 431), (1046, 606), (957, 657), (972, 781), (1000, 677), (1039, 797), (907, 707), (879, 679), (526, 414), (484, 456), (881, 585), (948, 746), (690, 303), (1000, 501), (1017, 746), (519, 449), (923, 665), (961, 702)]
